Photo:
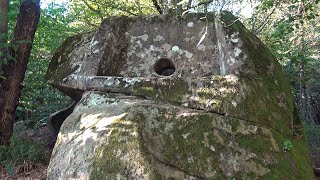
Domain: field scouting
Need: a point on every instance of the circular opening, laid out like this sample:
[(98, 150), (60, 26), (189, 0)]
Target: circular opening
[(164, 67)]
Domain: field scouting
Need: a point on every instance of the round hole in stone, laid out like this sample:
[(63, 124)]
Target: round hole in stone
[(164, 67)]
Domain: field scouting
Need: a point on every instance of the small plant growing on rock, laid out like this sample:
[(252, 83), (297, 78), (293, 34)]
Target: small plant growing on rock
[(287, 145)]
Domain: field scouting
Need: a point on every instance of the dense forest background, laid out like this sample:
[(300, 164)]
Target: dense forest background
[(291, 29)]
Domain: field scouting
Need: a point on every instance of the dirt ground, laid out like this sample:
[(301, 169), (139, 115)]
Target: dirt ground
[(39, 173), (28, 170)]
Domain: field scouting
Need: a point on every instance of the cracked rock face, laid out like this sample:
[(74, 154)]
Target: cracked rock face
[(174, 97)]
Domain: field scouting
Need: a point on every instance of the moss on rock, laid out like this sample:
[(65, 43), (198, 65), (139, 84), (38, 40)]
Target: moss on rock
[(224, 113)]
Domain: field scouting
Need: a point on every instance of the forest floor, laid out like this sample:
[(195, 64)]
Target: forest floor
[(28, 170), (39, 173)]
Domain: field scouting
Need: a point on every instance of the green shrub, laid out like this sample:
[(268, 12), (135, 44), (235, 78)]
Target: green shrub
[(313, 138), (20, 151)]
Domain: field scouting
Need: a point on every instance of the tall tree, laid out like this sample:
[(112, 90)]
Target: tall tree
[(4, 4), (302, 76), (14, 65)]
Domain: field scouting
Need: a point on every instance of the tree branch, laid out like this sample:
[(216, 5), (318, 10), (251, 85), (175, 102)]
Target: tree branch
[(201, 3), (93, 9), (87, 21), (157, 6), (266, 20)]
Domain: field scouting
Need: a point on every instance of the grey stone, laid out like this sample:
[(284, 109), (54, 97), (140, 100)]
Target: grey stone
[(174, 97)]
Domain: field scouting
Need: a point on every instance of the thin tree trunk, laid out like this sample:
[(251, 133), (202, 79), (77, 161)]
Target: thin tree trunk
[(302, 76), (302, 80), (4, 4), (3, 20), (14, 71)]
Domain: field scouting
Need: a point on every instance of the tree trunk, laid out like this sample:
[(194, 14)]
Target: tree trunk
[(303, 96), (14, 71), (3, 21), (302, 75), (4, 4)]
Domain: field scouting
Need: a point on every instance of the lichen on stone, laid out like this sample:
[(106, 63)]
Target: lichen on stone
[(223, 111)]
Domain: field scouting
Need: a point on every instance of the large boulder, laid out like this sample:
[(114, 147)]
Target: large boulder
[(194, 97)]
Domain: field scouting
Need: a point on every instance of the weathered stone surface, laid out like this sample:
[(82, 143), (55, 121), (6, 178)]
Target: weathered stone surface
[(174, 97)]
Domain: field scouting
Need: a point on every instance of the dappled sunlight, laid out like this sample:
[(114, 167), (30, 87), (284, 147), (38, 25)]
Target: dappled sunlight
[(214, 94), (91, 125), (98, 121), (106, 121), (181, 114), (89, 120)]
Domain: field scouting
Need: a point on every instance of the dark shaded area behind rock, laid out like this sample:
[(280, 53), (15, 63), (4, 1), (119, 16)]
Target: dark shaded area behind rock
[(56, 119)]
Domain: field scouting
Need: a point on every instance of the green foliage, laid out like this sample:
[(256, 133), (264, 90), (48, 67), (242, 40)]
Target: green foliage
[(90, 13), (12, 14), (293, 36), (20, 151), (13, 11), (38, 99), (287, 145), (313, 138)]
